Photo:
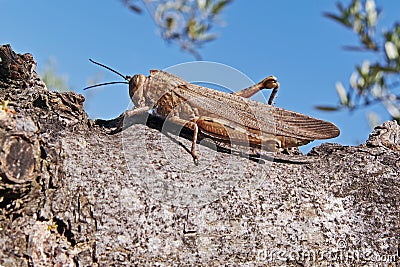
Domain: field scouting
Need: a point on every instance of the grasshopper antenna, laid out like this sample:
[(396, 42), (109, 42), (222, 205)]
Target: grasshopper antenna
[(110, 69), (101, 84), (126, 78)]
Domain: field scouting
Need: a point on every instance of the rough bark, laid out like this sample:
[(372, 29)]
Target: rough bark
[(73, 195)]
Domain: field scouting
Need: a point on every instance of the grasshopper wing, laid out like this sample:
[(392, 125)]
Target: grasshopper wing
[(255, 116)]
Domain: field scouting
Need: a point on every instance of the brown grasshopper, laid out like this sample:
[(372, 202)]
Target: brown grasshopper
[(224, 117)]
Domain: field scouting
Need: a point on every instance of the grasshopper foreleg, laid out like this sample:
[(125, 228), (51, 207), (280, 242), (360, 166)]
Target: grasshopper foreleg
[(129, 117), (268, 83)]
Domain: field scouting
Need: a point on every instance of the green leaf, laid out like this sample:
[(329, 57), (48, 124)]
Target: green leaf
[(354, 48), (219, 6), (170, 21), (344, 100), (191, 28), (336, 18), (207, 37), (135, 9), (391, 51), (327, 108), (355, 7), (202, 4), (365, 68), (372, 14)]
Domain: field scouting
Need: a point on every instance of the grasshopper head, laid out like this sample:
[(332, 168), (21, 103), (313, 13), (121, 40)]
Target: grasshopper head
[(136, 89)]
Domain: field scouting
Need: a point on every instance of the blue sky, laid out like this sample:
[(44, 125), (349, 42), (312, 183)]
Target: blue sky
[(289, 39)]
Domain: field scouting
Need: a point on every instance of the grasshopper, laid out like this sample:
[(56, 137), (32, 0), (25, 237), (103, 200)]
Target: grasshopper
[(223, 117)]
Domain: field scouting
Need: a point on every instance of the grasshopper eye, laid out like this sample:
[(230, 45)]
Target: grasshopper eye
[(136, 81), (136, 87), (138, 78)]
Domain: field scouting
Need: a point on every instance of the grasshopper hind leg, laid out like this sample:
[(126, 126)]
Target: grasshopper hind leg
[(270, 82), (194, 141), (193, 126)]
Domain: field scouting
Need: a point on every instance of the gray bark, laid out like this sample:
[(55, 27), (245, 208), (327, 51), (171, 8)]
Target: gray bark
[(73, 195)]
